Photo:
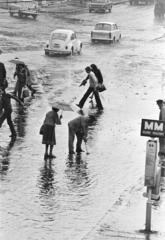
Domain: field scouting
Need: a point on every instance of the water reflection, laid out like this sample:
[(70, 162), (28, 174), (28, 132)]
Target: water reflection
[(46, 178), (20, 119), (6, 157), (77, 173)]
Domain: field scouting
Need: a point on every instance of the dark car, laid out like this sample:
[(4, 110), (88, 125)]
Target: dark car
[(137, 2), (100, 6)]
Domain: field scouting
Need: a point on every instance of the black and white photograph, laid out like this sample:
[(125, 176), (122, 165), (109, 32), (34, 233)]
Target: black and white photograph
[(82, 119)]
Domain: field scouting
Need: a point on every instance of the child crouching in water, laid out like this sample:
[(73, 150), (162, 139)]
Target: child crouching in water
[(49, 138)]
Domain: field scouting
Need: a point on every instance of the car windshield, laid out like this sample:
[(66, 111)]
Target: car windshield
[(103, 26), (59, 36), (99, 1)]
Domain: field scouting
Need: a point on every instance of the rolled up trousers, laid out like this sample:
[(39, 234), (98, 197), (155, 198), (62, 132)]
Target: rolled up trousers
[(72, 133)]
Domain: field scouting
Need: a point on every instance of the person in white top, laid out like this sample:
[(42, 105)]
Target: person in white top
[(92, 89)]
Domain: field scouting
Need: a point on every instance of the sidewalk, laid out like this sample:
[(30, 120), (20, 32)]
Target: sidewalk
[(127, 220), (63, 7)]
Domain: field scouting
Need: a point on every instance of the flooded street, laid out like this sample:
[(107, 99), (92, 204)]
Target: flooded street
[(70, 197)]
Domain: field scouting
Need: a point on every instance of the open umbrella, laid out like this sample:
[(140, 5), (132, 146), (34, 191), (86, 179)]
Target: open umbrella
[(16, 61), (62, 106)]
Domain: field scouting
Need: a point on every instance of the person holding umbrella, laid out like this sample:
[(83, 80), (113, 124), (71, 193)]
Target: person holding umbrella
[(48, 131)]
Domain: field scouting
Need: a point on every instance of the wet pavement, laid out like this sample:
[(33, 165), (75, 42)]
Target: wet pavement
[(93, 196)]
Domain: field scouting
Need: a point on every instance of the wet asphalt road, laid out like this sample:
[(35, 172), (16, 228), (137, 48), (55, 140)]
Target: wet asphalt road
[(66, 199)]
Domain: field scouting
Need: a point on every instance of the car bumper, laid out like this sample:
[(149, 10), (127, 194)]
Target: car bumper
[(101, 39), (56, 52)]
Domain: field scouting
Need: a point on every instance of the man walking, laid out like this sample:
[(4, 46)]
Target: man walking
[(92, 89), (161, 106), (6, 110), (77, 127), (3, 81)]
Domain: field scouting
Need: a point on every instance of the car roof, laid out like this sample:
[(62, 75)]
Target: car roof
[(110, 23), (66, 31)]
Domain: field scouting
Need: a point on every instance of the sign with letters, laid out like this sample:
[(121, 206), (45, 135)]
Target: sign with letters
[(152, 128)]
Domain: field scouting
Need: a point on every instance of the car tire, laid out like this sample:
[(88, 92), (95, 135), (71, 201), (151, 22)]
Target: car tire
[(119, 38), (80, 50), (72, 51), (34, 17), (46, 53)]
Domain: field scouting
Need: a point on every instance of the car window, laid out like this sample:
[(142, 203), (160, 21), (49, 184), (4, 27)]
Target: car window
[(72, 36), (99, 1), (59, 36), (103, 26), (113, 27)]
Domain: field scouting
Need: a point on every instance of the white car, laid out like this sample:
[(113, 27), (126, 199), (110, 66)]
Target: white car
[(63, 42), (106, 31)]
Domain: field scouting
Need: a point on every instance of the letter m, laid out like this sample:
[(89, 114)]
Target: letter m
[(158, 127), (148, 126)]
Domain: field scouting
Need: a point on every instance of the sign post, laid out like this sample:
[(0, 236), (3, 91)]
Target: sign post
[(151, 128), (150, 178)]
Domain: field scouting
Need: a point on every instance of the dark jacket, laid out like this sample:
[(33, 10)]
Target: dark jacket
[(3, 81), (99, 76), (6, 102), (2, 71)]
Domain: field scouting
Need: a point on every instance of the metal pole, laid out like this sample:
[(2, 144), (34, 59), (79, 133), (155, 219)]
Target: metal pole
[(148, 211)]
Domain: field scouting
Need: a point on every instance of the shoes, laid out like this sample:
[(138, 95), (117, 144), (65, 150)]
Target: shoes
[(52, 156), (71, 152), (45, 156), (79, 150)]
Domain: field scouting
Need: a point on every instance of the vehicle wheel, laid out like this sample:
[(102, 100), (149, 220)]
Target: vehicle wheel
[(119, 38), (46, 53), (72, 51), (80, 50), (20, 14), (92, 40), (34, 17)]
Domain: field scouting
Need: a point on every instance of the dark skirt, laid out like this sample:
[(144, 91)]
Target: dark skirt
[(49, 135)]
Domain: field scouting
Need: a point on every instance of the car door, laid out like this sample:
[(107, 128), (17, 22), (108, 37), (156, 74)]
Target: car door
[(117, 31), (74, 41)]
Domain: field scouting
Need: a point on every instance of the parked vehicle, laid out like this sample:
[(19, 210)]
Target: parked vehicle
[(106, 32), (24, 9), (100, 6), (63, 42), (159, 9), (136, 2)]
